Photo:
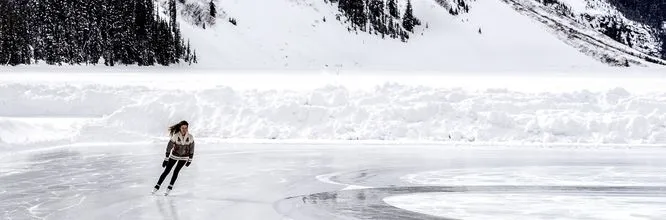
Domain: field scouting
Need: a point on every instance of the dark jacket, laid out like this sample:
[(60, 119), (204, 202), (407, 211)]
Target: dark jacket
[(180, 147)]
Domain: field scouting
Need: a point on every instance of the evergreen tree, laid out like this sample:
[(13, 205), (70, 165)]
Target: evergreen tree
[(663, 44), (94, 44), (615, 29), (23, 34), (122, 31), (392, 31), (408, 20), (7, 32), (177, 46), (213, 10), (377, 16), (15, 39), (4, 31), (54, 32), (168, 44), (355, 11), (173, 14), (144, 26), (35, 25), (393, 9), (77, 22), (131, 52), (371, 16)]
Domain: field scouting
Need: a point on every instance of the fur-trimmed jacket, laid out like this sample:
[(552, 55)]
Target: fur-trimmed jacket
[(180, 147)]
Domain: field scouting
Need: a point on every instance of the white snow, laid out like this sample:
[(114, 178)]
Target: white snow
[(266, 39), (578, 6), (138, 107), (29, 130), (643, 38)]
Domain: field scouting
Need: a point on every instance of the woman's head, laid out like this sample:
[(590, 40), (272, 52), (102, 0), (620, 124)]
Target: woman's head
[(181, 127)]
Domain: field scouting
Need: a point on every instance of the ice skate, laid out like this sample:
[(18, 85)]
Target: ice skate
[(168, 190), (157, 187)]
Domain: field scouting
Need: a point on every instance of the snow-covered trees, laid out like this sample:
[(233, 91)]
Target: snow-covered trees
[(409, 21), (663, 44), (212, 10), (87, 31), (379, 17), (393, 9)]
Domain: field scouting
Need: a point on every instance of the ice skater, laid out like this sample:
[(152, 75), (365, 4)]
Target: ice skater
[(179, 152)]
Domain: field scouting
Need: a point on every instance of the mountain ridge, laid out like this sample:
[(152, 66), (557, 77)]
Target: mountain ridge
[(440, 35)]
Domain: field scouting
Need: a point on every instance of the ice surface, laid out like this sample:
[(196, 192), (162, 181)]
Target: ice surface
[(473, 206), (570, 175), (302, 182)]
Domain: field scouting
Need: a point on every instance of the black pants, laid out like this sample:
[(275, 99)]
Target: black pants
[(170, 164)]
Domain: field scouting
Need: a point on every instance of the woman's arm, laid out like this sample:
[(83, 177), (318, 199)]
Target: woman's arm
[(168, 149), (189, 161)]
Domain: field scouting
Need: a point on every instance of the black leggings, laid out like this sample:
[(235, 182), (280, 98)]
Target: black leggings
[(170, 164)]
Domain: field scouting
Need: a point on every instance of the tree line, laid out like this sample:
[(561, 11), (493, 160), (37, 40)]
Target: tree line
[(371, 16), (109, 32)]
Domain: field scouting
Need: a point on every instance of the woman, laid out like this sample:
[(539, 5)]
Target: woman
[(179, 151)]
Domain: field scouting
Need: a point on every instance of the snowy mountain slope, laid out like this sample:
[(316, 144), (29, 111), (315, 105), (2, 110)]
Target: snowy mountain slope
[(650, 12), (602, 16), (445, 35), (597, 29), (448, 35), (305, 35)]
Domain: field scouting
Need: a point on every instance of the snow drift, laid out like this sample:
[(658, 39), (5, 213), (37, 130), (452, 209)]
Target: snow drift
[(31, 130), (388, 111)]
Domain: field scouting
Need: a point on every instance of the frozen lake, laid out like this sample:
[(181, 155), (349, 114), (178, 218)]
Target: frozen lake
[(327, 181)]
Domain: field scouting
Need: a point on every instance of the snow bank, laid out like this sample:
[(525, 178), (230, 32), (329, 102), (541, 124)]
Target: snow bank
[(388, 112), (23, 100), (16, 130)]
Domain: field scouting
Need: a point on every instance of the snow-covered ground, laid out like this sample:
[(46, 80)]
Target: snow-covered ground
[(477, 108)]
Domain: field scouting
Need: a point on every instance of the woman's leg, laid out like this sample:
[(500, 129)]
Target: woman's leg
[(165, 173), (180, 165)]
